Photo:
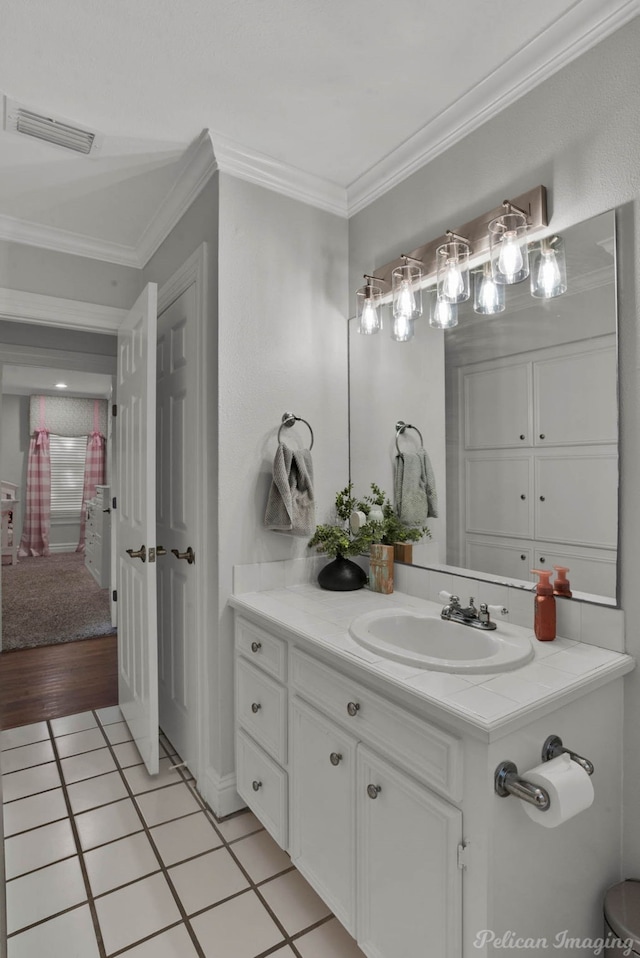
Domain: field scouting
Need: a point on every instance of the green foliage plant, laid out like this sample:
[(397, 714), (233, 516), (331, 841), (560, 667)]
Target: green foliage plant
[(337, 539)]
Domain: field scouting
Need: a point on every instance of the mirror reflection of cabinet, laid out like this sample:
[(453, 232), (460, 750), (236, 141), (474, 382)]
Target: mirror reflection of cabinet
[(545, 503)]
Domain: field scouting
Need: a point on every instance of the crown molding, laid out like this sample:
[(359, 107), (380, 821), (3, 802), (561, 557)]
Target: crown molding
[(275, 175), (193, 171), (64, 241), (22, 307), (573, 33), (195, 168)]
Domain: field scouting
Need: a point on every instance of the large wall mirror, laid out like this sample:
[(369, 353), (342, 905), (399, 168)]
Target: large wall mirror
[(519, 417)]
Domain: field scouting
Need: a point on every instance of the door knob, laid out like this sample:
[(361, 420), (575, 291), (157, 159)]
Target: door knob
[(140, 553), (161, 551), (189, 555)]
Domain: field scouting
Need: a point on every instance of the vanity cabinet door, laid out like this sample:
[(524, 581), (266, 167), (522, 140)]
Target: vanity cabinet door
[(322, 783), (409, 884)]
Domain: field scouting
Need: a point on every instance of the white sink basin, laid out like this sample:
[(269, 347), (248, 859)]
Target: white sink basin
[(430, 642)]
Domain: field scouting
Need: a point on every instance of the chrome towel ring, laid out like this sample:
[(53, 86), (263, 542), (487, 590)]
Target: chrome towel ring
[(288, 419), (401, 427)]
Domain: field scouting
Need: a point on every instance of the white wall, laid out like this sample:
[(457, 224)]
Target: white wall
[(578, 134), (282, 347)]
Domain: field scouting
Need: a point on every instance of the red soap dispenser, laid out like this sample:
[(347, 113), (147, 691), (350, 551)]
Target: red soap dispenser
[(561, 586), (544, 619)]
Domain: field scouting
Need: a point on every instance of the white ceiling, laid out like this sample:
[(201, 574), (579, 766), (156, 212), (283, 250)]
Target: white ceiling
[(344, 98), (25, 380)]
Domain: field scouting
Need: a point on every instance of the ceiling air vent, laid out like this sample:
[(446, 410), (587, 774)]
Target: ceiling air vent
[(29, 123)]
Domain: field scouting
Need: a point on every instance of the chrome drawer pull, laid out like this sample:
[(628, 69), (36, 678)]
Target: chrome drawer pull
[(255, 707), (256, 646), (353, 708), (372, 791), (335, 758), (256, 785)]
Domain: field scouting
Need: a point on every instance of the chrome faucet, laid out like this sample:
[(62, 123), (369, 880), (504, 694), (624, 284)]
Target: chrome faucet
[(478, 618)]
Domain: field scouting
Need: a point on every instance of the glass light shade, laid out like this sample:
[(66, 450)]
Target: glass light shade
[(402, 329), (368, 309), (548, 268), (488, 296), (508, 244), (407, 295), (442, 315), (453, 272)]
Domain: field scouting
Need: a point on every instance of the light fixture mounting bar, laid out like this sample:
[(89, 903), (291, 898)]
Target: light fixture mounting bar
[(533, 204)]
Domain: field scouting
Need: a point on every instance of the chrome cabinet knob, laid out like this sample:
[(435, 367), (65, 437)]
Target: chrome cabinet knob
[(372, 791), (542, 435), (542, 498), (523, 496), (335, 758), (353, 708), (255, 707), (256, 785), (522, 435), (256, 646)]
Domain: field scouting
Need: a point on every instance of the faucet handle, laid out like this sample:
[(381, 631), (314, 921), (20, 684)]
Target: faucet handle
[(496, 609)]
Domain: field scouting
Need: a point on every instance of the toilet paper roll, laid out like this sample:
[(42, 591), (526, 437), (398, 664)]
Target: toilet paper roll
[(569, 786)]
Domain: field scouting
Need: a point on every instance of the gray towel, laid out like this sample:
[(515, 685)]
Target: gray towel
[(416, 499), (291, 507)]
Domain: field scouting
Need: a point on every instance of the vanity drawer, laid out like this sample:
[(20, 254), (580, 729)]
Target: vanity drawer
[(263, 785), (263, 649), (427, 752), (261, 708)]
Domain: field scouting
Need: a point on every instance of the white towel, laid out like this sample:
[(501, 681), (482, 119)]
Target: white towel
[(416, 499), (291, 506)]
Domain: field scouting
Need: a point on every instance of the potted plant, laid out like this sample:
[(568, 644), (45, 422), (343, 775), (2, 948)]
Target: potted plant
[(390, 538), (337, 540)]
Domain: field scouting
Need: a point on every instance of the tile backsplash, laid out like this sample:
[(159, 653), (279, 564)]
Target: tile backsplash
[(597, 625)]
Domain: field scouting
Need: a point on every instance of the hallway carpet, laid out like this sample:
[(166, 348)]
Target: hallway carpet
[(52, 599)]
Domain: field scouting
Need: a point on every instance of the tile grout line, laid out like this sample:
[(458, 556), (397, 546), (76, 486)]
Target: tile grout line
[(288, 939), (163, 868)]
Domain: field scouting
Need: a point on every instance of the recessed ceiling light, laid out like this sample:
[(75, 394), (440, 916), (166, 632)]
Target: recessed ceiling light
[(61, 386)]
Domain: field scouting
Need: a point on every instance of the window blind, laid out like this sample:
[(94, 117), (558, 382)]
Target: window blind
[(67, 474)]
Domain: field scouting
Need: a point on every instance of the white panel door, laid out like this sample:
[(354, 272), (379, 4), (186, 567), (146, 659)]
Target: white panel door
[(135, 519), (497, 407), (176, 519)]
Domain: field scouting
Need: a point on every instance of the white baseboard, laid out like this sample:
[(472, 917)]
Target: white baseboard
[(219, 792), (63, 546)]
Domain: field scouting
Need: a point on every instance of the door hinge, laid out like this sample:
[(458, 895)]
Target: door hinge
[(114, 410), (462, 855), (113, 503), (114, 595)]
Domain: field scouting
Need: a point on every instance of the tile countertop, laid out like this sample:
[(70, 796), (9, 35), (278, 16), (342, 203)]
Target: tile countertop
[(486, 705)]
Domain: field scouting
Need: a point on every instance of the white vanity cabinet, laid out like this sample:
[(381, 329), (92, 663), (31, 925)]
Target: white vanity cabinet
[(261, 726), (372, 820)]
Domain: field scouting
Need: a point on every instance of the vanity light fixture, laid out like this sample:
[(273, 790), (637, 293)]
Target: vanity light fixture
[(453, 269), (548, 268), (488, 296), (402, 328), (407, 293), (442, 315), (508, 245), (368, 312)]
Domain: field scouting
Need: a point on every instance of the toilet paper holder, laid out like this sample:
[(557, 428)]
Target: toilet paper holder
[(508, 782), (553, 747)]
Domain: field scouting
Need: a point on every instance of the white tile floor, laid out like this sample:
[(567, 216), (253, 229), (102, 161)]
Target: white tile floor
[(103, 860)]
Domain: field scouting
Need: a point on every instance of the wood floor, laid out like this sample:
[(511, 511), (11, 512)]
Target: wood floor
[(56, 680)]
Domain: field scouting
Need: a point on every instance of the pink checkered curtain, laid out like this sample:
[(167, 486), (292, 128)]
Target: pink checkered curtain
[(37, 519), (93, 476)]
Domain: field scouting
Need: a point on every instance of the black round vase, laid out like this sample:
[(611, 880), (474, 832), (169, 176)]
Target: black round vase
[(342, 575)]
